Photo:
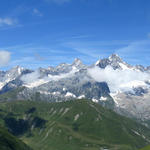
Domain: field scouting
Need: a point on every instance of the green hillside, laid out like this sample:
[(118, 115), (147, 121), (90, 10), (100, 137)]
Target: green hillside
[(72, 125), (146, 148), (10, 142)]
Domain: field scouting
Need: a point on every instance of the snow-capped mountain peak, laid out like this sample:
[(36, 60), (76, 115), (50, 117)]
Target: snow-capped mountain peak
[(115, 57), (77, 62), (17, 70), (114, 61)]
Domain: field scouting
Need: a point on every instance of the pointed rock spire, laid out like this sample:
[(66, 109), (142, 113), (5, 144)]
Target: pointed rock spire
[(77, 62), (115, 57)]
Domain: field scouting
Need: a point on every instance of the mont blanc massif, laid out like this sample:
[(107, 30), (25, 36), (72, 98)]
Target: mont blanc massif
[(114, 89)]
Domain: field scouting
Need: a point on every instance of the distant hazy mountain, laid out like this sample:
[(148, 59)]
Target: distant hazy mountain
[(110, 82)]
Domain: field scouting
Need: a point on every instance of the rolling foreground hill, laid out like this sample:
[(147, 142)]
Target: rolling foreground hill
[(146, 148), (10, 142), (72, 125)]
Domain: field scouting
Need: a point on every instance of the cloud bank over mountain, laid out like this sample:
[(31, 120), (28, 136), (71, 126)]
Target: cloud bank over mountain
[(119, 80)]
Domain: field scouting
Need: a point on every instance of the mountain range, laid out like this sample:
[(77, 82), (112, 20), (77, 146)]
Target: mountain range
[(110, 82)]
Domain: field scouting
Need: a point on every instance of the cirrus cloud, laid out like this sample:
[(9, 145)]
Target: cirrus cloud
[(37, 12), (7, 21)]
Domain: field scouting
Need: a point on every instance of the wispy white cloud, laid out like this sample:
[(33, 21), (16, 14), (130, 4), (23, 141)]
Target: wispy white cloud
[(7, 21), (95, 49), (89, 52), (37, 12), (38, 57), (140, 46), (33, 79), (136, 51), (4, 57)]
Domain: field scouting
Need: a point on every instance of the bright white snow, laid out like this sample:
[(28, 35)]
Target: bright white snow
[(68, 94), (76, 117), (103, 98), (81, 96), (33, 79), (94, 100)]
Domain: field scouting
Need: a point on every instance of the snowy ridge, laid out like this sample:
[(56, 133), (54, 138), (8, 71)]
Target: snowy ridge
[(110, 82)]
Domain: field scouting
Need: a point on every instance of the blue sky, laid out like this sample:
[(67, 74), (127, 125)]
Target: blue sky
[(48, 32)]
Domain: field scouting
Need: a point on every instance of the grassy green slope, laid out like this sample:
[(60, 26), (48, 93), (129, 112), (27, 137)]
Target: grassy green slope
[(146, 148), (9, 142), (73, 125)]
